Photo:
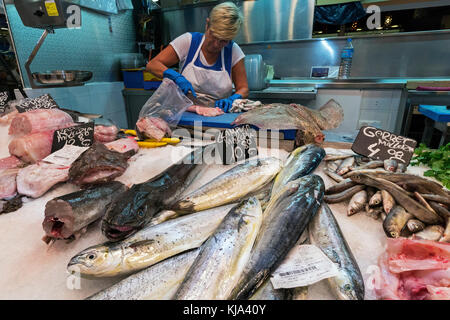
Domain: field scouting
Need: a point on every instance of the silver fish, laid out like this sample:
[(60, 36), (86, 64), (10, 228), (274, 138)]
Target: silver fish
[(357, 202), (231, 186), (388, 201), (286, 217), (324, 232), (345, 166), (390, 165), (224, 255), (433, 233), (395, 221), (333, 165), (158, 282), (148, 246), (302, 161)]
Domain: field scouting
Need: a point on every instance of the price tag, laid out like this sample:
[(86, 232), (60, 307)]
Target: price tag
[(303, 266), (42, 102), (379, 144), (52, 10), (81, 136), (4, 99), (65, 156), (237, 144)]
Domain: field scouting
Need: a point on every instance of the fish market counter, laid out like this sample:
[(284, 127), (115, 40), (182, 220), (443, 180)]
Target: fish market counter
[(30, 269)]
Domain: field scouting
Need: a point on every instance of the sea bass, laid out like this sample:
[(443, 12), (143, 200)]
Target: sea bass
[(301, 162), (148, 246), (158, 282), (134, 209), (325, 233), (286, 217), (221, 261), (231, 186)]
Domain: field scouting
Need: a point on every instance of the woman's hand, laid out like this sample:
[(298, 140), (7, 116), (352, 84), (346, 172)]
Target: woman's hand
[(226, 104), (181, 81)]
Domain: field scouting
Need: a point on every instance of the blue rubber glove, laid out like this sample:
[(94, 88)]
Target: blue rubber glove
[(226, 104), (181, 81)]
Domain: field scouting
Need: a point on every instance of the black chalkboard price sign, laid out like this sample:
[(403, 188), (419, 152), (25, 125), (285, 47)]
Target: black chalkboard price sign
[(42, 102), (4, 99), (237, 144), (80, 136), (381, 145)]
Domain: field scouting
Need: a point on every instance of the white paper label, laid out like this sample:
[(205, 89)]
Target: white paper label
[(303, 266), (66, 156)]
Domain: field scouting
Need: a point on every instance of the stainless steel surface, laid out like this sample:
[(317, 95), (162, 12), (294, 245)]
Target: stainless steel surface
[(256, 71), (264, 20), (62, 76), (418, 55), (34, 13), (282, 94)]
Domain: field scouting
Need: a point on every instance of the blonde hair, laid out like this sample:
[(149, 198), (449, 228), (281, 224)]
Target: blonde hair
[(225, 20)]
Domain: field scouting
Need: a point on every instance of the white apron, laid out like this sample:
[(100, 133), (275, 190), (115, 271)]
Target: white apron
[(208, 84)]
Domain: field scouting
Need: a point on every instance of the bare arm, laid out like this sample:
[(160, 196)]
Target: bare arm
[(239, 77), (164, 60)]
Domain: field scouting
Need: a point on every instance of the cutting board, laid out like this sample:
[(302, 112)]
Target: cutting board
[(223, 121)]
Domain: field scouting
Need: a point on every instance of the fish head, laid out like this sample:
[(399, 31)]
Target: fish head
[(347, 288), (95, 261), (128, 215)]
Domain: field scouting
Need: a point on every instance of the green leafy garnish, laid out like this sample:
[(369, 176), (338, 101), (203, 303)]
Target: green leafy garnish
[(437, 159)]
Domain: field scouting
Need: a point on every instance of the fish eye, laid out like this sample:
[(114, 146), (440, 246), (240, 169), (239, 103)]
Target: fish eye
[(141, 213), (91, 256), (347, 287)]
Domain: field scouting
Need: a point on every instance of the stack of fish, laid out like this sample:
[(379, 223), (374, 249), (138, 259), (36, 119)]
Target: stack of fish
[(409, 205), (221, 241)]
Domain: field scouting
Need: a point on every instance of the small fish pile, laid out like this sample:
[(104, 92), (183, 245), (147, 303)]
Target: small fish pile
[(408, 205)]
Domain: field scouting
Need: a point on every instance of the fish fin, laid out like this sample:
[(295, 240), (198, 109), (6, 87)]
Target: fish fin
[(141, 243)]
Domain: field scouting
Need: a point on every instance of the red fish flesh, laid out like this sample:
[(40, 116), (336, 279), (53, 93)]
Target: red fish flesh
[(35, 180), (123, 145), (32, 147), (152, 128), (105, 134), (414, 270), (40, 120)]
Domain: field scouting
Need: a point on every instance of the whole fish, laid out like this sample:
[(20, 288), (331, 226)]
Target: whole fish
[(376, 199), (410, 205), (415, 225), (286, 217), (230, 186), (437, 198), (224, 255), (341, 186), (135, 208), (395, 221), (357, 202), (267, 292), (388, 201), (147, 246), (333, 165), (344, 195), (404, 178), (67, 215), (325, 233), (440, 210), (301, 162), (433, 233), (158, 282), (390, 165), (333, 175), (369, 165), (345, 166)]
